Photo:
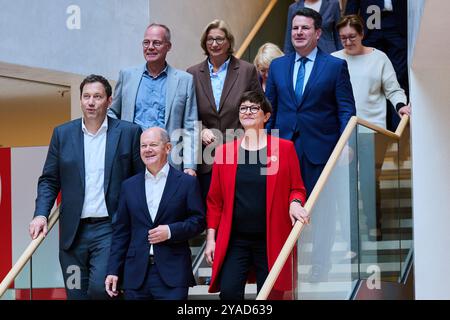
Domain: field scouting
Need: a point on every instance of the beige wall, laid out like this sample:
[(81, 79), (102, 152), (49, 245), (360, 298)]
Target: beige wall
[(187, 19), (30, 110)]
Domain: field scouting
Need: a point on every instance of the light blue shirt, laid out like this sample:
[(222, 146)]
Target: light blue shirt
[(218, 80), (151, 100), (308, 67)]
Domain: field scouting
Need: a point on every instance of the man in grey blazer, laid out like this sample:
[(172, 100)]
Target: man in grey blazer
[(158, 95), (87, 161)]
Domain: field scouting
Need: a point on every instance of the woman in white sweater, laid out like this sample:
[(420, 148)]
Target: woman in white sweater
[(373, 80), (371, 74)]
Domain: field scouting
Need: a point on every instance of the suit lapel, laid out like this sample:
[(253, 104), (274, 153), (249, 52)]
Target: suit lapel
[(112, 140), (169, 190), (290, 77), (172, 84), (142, 198), (273, 162), (318, 67), (323, 7), (205, 81), (135, 81), (230, 79), (78, 148)]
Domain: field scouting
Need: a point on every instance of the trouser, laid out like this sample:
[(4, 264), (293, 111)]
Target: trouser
[(154, 288), (242, 254), (84, 264)]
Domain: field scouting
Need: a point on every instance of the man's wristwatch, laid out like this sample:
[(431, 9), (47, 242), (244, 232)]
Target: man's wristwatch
[(298, 201)]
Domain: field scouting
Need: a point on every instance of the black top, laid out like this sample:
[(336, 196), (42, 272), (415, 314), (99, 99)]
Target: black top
[(249, 216)]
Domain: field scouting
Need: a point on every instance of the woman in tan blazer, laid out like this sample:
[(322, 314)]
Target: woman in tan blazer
[(219, 81)]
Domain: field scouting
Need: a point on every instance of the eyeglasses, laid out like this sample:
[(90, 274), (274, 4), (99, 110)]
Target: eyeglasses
[(352, 38), (219, 41), (253, 109), (148, 43)]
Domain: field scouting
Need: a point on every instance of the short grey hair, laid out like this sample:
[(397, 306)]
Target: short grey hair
[(165, 138), (166, 28)]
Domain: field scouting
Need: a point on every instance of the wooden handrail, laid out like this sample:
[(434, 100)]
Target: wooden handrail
[(26, 255), (309, 205), (255, 29), (401, 126), (378, 129)]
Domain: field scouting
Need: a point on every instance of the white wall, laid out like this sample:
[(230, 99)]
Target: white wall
[(35, 34), (430, 98)]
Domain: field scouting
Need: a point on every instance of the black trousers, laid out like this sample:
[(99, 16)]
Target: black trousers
[(243, 253)]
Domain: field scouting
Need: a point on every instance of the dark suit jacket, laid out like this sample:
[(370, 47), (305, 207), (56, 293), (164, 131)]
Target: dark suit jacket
[(181, 208), (241, 77), (326, 106), (331, 13), (64, 171), (398, 19)]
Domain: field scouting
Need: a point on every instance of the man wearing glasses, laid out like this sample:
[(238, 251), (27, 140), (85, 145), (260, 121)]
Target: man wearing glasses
[(158, 95)]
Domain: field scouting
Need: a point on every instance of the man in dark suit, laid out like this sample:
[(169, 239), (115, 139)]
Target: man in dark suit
[(159, 211), (312, 101), (386, 28), (87, 161)]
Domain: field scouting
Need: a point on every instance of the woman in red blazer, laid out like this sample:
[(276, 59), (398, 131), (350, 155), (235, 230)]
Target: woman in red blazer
[(256, 195)]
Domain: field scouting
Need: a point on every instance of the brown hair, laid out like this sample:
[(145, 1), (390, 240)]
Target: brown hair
[(256, 97), (353, 21), (217, 24)]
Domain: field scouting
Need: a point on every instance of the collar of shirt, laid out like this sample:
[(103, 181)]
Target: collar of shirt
[(103, 128), (163, 72), (388, 5), (162, 173), (222, 68), (311, 56)]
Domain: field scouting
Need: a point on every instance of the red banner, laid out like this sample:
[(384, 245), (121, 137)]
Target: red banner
[(5, 212)]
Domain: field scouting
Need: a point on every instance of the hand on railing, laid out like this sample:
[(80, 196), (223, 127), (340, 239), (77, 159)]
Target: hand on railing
[(297, 212), (38, 225), (111, 285), (406, 110)]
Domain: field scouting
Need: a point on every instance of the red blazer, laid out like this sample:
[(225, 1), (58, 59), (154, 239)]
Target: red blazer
[(284, 183)]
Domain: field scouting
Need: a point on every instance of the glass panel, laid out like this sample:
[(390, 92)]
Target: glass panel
[(47, 278), (378, 195), (405, 209), (326, 254)]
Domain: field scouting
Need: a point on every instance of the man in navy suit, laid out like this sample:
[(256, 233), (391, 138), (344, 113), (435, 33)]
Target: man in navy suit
[(159, 211), (87, 161), (312, 101), (311, 96)]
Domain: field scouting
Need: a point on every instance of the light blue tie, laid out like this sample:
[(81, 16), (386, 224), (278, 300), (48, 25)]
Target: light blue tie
[(300, 79)]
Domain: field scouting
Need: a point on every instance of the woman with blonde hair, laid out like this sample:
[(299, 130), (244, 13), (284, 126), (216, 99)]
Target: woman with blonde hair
[(219, 81), (266, 53)]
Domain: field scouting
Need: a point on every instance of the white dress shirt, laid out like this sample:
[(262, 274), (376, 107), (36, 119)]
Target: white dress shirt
[(315, 6), (154, 188), (94, 204), (308, 67)]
